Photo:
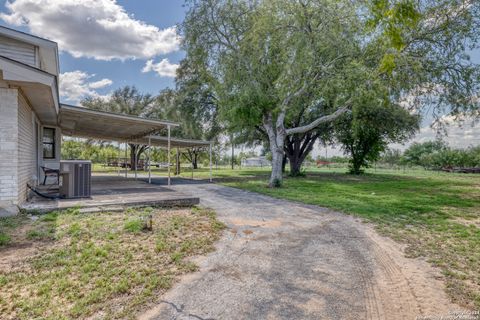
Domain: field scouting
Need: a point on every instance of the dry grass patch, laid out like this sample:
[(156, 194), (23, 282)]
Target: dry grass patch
[(103, 265), (8, 228)]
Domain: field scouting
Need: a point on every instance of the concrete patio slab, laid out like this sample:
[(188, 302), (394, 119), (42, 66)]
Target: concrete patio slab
[(110, 192)]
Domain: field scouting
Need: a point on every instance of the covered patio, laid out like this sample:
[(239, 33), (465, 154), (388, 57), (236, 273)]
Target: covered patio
[(110, 191), (93, 124)]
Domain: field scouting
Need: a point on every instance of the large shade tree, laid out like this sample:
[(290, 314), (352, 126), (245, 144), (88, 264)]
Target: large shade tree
[(420, 49), (269, 60), (266, 60), (299, 145)]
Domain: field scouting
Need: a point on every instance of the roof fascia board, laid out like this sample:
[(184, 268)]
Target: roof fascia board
[(118, 116), (180, 140), (17, 71)]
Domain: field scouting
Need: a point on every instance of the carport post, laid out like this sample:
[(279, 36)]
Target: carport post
[(149, 160), (177, 163), (125, 161), (168, 148), (118, 162), (210, 151), (135, 160)]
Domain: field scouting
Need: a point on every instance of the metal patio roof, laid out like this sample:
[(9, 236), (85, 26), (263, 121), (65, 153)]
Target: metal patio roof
[(87, 123)]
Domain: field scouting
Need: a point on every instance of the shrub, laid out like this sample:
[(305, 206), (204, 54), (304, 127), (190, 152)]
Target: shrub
[(134, 226), (4, 239)]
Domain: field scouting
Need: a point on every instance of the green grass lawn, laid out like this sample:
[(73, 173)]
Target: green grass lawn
[(101, 266), (436, 214)]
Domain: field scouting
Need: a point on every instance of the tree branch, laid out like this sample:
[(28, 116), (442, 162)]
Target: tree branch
[(262, 131), (318, 121), (272, 136)]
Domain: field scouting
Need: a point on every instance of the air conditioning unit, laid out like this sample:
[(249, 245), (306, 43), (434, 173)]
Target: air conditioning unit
[(75, 178)]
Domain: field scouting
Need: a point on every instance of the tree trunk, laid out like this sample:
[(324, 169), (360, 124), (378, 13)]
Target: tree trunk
[(284, 163), (135, 153), (276, 177), (195, 160), (295, 167), (177, 163), (355, 166), (297, 148), (233, 153), (192, 157), (276, 137), (277, 134)]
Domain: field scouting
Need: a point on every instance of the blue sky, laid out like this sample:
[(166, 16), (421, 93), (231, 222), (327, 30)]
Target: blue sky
[(161, 13), (121, 71)]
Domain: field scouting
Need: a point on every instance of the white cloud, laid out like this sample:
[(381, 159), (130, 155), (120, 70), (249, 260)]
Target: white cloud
[(457, 133), (75, 85), (99, 29), (164, 68), (100, 84), (420, 96)]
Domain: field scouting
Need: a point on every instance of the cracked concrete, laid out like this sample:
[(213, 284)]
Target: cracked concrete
[(285, 260)]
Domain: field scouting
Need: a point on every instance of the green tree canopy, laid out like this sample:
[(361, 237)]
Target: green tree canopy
[(268, 60), (127, 100), (366, 132), (191, 104), (424, 52), (417, 153)]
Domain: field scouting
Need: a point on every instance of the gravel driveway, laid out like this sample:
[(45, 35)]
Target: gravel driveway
[(285, 260)]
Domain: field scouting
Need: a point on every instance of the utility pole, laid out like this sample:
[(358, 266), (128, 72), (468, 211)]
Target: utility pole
[(233, 152), (326, 155)]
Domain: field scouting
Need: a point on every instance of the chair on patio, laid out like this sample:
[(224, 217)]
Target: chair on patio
[(49, 172)]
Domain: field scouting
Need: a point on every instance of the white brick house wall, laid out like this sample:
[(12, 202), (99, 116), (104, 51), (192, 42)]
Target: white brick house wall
[(18, 158), (26, 148), (8, 151)]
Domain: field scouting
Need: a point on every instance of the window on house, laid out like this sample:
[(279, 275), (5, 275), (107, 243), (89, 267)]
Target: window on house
[(48, 143)]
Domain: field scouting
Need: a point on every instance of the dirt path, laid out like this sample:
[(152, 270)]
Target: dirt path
[(284, 260)]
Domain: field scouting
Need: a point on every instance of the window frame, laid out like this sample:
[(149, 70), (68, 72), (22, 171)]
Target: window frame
[(53, 143)]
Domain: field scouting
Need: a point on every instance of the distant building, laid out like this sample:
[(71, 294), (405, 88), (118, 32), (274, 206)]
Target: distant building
[(321, 163), (256, 162)]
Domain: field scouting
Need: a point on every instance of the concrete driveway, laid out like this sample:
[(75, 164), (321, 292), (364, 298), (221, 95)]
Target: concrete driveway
[(285, 260)]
